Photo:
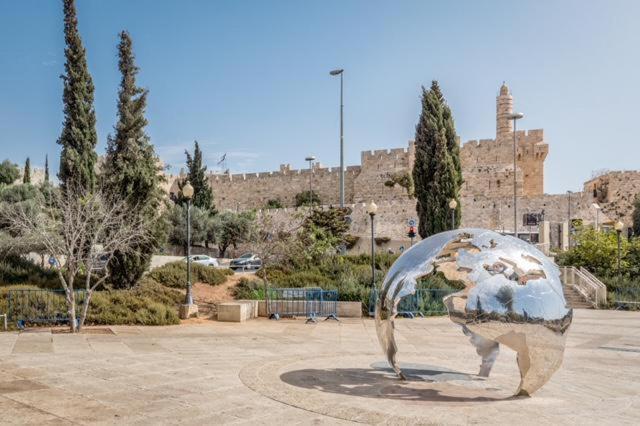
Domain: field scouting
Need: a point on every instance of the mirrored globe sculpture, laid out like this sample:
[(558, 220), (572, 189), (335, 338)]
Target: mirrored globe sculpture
[(512, 296)]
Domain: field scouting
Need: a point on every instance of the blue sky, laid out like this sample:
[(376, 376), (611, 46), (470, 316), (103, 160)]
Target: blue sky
[(250, 78)]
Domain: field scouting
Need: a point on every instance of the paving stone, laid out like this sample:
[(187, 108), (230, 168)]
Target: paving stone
[(288, 372)]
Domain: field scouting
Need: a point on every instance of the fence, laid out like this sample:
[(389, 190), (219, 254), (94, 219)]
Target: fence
[(27, 307), (424, 302), (309, 302), (626, 297)]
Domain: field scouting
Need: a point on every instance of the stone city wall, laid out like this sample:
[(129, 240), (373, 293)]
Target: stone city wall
[(477, 157), (615, 193)]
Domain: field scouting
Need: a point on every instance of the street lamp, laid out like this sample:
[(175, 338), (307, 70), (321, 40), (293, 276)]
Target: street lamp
[(372, 209), (453, 204), (340, 73), (597, 207), (310, 159), (515, 116), (187, 192), (569, 218), (618, 227)]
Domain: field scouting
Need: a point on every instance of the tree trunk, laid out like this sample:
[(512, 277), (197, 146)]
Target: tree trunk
[(71, 303), (85, 309)]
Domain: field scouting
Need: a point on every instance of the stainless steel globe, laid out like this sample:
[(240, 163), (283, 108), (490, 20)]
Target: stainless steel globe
[(512, 296)]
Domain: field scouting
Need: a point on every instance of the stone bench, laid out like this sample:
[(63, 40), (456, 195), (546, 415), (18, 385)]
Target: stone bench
[(238, 311)]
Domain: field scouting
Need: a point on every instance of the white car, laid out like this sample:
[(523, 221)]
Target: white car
[(204, 260)]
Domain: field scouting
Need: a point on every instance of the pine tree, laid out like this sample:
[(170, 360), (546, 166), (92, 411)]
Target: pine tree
[(26, 176), (131, 167), (78, 138), (202, 193), (46, 169), (435, 172)]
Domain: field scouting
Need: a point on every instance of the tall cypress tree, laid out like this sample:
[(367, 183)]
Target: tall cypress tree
[(435, 172), (26, 176), (453, 147), (78, 138), (202, 193), (131, 168), (46, 168)]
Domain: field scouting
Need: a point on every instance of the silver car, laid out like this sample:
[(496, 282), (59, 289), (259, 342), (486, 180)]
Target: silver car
[(204, 260)]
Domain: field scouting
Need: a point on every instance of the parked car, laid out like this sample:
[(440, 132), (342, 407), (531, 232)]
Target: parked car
[(204, 260), (247, 261)]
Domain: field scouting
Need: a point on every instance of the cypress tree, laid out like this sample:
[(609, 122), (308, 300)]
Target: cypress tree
[(131, 168), (202, 193), (46, 169), (78, 138), (453, 147), (26, 176), (436, 173)]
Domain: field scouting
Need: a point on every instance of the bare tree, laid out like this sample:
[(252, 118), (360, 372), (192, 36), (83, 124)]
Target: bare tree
[(82, 230), (275, 239)]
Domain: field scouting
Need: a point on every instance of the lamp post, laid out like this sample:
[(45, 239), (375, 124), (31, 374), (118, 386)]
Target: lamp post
[(187, 192), (569, 218), (340, 73), (515, 116), (372, 209), (596, 206), (310, 159), (618, 227), (453, 204)]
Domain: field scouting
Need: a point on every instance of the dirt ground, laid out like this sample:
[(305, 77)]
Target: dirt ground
[(208, 296)]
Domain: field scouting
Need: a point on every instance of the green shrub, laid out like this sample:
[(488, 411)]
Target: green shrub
[(249, 289), (18, 270), (174, 274), (147, 303)]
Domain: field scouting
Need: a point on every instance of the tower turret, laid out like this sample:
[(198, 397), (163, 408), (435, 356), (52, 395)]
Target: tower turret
[(504, 108)]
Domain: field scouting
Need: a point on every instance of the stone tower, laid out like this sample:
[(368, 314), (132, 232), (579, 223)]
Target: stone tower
[(504, 108)]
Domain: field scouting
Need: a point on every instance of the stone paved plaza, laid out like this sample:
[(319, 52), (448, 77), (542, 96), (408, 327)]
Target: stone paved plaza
[(288, 372)]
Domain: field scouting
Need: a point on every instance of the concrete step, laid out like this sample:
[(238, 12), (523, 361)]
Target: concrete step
[(574, 299)]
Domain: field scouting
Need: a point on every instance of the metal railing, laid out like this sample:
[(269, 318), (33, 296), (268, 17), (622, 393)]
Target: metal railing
[(35, 307), (626, 297), (312, 302), (424, 302), (590, 287)]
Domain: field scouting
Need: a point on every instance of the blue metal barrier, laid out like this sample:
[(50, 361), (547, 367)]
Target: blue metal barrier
[(424, 302), (26, 306), (311, 302), (626, 298)]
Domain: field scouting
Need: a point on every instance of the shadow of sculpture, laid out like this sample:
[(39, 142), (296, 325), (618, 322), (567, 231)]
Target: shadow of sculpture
[(424, 383)]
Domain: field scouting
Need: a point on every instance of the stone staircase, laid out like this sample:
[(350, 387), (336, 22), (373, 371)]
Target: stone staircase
[(574, 299)]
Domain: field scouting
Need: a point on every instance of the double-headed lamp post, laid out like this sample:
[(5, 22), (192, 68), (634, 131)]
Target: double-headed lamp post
[(340, 72), (372, 209), (618, 227), (187, 192), (515, 116), (453, 205), (310, 159)]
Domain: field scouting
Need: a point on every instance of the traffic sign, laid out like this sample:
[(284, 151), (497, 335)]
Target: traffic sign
[(411, 222)]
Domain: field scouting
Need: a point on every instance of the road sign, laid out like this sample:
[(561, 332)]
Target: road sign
[(411, 222)]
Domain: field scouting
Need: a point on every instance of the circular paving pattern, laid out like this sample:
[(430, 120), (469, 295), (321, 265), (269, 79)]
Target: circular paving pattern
[(363, 389)]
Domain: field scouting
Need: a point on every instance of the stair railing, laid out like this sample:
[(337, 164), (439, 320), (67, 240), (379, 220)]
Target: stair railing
[(591, 288)]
